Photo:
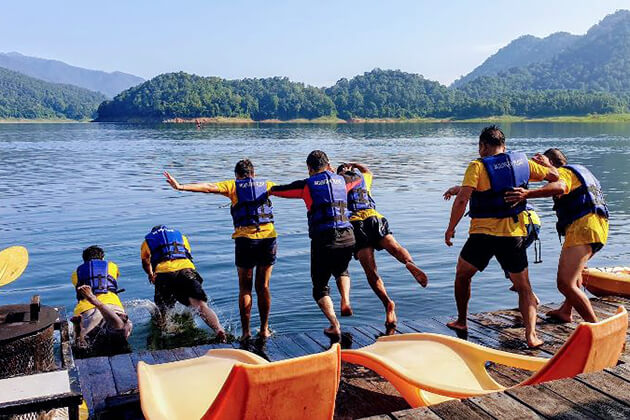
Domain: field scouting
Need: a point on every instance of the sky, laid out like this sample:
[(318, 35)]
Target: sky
[(316, 42)]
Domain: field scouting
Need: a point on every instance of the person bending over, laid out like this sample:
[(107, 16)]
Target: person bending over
[(583, 221), (101, 326), (254, 237), (371, 231), (325, 195), (497, 228), (167, 260)]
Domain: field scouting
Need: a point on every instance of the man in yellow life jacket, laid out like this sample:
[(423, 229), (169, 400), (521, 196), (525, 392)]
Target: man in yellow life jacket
[(497, 228), (167, 260), (255, 245), (101, 325), (583, 221)]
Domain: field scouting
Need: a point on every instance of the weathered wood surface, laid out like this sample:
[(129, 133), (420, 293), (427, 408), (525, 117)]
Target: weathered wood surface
[(110, 384)]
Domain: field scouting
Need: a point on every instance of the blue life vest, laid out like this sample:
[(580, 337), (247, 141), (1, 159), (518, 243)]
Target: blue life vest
[(166, 244), (329, 202), (253, 206), (506, 171), (359, 197), (587, 198), (95, 274)]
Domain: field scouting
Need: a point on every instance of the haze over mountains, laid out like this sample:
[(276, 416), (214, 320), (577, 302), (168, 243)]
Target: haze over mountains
[(109, 84), (561, 74)]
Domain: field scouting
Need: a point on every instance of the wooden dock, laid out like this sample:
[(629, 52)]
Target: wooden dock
[(109, 384)]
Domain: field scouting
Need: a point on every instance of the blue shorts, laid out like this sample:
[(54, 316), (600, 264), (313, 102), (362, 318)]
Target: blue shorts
[(250, 253)]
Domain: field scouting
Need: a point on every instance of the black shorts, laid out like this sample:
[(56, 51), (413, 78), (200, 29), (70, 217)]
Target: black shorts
[(330, 259), (249, 253), (369, 232), (178, 286), (509, 251)]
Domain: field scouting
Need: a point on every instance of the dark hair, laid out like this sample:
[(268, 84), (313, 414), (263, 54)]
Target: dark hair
[(93, 252), (492, 136), (556, 157), (244, 168), (342, 168), (157, 227), (317, 160)]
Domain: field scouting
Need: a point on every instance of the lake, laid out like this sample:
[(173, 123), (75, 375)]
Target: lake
[(67, 186)]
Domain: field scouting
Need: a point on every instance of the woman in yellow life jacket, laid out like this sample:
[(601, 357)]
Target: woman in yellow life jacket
[(583, 221)]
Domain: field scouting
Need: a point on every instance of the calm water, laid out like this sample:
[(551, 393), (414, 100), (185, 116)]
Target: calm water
[(65, 187)]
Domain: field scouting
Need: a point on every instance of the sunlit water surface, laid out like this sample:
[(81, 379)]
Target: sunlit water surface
[(67, 186)]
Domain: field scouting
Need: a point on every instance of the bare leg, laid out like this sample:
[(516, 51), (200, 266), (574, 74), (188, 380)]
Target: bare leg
[(343, 284), (209, 317), (366, 258), (245, 299), (527, 305), (463, 277), (263, 274), (570, 266), (108, 313), (392, 246), (326, 305)]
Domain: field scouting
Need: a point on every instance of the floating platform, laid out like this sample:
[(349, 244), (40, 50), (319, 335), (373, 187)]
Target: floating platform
[(109, 384)]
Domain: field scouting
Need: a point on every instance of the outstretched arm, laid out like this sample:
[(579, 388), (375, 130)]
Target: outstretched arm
[(292, 190), (457, 212), (362, 168), (204, 187), (454, 190), (550, 190)]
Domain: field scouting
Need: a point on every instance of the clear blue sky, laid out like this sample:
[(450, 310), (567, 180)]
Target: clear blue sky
[(316, 41)]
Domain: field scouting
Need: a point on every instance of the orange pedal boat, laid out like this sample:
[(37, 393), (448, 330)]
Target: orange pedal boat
[(607, 281)]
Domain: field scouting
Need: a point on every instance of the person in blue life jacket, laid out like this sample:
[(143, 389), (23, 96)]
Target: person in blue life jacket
[(583, 222), (325, 195), (371, 231), (101, 325), (167, 260), (255, 243), (497, 228)]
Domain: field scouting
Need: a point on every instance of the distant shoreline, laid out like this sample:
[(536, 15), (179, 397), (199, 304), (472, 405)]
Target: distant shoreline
[(504, 119)]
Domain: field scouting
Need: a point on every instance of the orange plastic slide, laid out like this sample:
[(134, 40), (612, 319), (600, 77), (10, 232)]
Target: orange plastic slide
[(431, 368), (236, 384)]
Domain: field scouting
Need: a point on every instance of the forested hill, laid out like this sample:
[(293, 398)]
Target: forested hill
[(596, 61), (24, 97), (109, 84), (521, 52)]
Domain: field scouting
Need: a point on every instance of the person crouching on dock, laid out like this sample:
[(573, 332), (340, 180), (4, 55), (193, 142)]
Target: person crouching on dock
[(101, 326), (371, 232), (254, 237), (583, 221), (167, 260), (325, 195), (497, 228)]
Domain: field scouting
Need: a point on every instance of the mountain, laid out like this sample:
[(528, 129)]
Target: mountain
[(109, 84), (182, 95), (523, 51), (25, 97), (596, 61)]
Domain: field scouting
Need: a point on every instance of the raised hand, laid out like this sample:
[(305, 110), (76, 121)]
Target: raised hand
[(172, 181), (542, 160)]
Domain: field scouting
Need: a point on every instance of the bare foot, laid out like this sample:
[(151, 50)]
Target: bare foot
[(221, 337), (245, 337), (334, 333), (346, 309), (534, 342), (390, 315), (457, 326), (560, 316), (264, 333), (418, 274)]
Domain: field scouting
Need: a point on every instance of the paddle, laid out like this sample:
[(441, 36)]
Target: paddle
[(13, 262)]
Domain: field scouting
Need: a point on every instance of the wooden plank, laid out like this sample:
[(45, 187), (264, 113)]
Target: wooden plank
[(290, 346), (124, 371), (100, 379), (547, 404), (184, 353), (595, 402), (608, 383), (163, 356), (501, 405), (457, 409), (415, 414), (307, 343)]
